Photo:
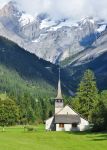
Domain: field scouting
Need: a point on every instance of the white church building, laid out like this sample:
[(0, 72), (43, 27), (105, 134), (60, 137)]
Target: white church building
[(65, 118)]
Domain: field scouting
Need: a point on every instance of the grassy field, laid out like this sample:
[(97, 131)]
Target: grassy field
[(15, 138)]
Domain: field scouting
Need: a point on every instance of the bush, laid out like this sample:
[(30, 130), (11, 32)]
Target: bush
[(29, 129)]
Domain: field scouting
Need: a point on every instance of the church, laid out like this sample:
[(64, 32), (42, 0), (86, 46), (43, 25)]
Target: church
[(65, 118)]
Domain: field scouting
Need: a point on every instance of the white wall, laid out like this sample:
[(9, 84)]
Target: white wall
[(48, 123), (84, 125), (67, 127), (59, 129)]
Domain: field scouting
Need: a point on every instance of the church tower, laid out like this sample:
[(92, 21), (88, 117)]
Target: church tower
[(59, 100)]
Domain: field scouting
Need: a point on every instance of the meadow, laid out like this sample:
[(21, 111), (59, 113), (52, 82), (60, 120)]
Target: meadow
[(15, 138)]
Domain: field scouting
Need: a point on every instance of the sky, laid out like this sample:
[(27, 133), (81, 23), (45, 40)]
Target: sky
[(76, 9)]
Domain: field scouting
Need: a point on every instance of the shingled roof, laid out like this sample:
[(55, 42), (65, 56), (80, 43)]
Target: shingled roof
[(67, 119)]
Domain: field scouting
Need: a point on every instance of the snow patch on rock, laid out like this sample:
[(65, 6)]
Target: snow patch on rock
[(26, 19), (46, 23), (101, 28)]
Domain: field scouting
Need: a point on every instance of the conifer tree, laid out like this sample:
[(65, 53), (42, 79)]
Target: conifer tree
[(99, 114), (87, 95)]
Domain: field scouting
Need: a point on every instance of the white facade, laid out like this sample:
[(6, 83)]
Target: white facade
[(67, 127), (48, 123), (82, 126)]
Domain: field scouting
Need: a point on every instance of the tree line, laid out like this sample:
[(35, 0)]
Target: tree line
[(32, 98), (25, 108)]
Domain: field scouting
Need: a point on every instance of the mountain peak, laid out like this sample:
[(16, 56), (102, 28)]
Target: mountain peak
[(10, 9), (87, 20)]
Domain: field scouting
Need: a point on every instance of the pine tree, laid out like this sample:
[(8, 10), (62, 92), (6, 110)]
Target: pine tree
[(87, 95)]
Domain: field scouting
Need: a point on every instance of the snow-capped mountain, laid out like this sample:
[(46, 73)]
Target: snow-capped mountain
[(12, 10), (52, 40)]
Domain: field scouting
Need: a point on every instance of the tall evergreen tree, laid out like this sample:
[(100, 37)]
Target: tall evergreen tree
[(87, 95), (99, 115)]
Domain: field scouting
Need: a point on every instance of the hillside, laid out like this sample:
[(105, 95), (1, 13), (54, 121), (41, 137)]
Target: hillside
[(29, 67), (98, 65), (94, 58), (41, 73), (30, 81)]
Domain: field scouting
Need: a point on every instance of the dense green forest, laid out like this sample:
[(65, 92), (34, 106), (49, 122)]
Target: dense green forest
[(32, 108), (31, 97)]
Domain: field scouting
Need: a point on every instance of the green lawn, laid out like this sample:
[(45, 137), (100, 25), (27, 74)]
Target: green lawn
[(15, 138)]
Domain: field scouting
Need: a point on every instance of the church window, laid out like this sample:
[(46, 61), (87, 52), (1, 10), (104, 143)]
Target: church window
[(74, 125), (61, 125)]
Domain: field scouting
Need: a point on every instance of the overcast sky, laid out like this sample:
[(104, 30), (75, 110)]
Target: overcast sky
[(76, 9)]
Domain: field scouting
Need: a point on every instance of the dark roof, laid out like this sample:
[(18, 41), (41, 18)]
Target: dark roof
[(67, 119)]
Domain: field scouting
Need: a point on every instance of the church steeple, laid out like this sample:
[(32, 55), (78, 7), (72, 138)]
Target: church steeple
[(59, 92), (59, 100)]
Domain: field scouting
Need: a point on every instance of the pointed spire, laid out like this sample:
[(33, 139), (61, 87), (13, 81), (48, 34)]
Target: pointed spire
[(59, 94)]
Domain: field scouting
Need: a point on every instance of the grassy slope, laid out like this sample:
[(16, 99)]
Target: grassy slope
[(17, 139), (11, 81)]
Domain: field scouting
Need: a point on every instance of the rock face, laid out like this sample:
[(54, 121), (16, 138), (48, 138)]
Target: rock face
[(47, 38)]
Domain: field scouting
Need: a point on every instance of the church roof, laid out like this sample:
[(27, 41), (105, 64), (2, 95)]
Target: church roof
[(67, 119)]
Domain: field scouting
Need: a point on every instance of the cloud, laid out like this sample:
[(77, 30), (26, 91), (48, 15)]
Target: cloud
[(35, 7), (76, 9), (3, 2)]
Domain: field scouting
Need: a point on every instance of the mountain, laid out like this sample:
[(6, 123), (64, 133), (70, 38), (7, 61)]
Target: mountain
[(97, 65), (24, 71), (30, 81), (94, 58), (50, 39), (74, 44), (19, 68), (36, 74)]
